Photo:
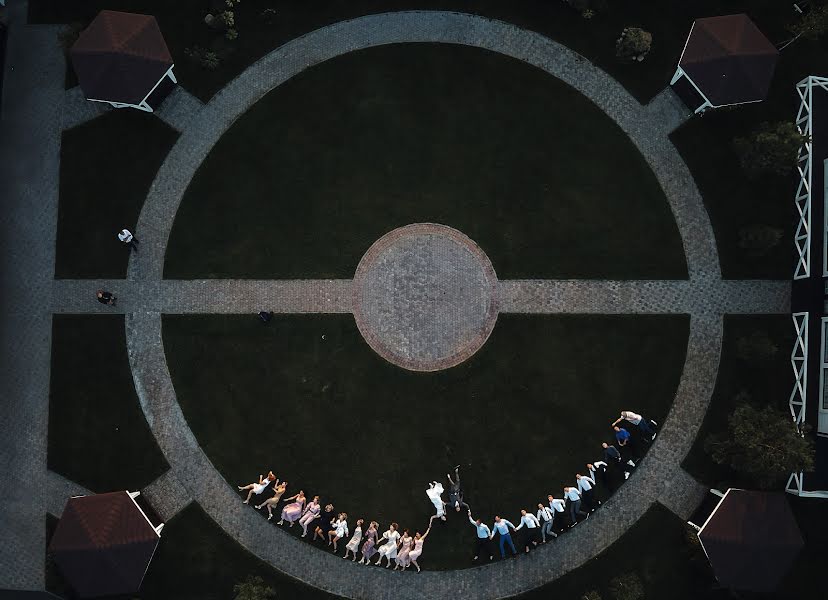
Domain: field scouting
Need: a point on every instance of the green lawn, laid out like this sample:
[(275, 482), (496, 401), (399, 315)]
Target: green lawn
[(761, 381), (314, 173), (106, 169), (196, 560), (331, 417), (97, 433)]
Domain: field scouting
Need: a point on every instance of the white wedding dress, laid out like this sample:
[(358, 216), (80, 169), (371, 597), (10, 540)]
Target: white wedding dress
[(434, 492)]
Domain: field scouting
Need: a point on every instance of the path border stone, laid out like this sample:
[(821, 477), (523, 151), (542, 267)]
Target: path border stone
[(659, 476)]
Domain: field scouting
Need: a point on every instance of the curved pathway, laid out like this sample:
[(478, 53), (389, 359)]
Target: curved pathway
[(704, 296), (145, 295)]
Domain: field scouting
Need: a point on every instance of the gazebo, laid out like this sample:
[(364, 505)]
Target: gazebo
[(121, 58), (727, 61), (104, 543), (751, 540)]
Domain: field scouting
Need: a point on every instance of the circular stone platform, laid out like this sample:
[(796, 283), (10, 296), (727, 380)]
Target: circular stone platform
[(424, 297)]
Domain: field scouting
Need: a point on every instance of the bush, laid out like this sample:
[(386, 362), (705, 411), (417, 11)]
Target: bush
[(772, 148), (69, 35), (634, 44), (253, 588), (758, 346), (591, 595), (627, 587), (206, 58), (268, 16), (758, 240), (762, 443), (812, 25), (231, 34)]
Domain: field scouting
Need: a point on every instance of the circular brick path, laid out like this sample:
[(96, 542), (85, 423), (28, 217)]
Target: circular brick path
[(425, 297), (659, 478)]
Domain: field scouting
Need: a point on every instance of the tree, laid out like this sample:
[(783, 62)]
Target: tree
[(627, 587), (758, 346), (253, 588), (771, 148), (591, 595), (812, 25), (634, 44), (763, 444)]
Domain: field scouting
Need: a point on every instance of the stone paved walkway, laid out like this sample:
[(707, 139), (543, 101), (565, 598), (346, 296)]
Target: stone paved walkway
[(77, 110), (58, 490), (30, 127)]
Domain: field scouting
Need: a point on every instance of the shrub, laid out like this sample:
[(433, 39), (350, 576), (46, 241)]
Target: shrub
[(228, 17), (627, 587), (69, 35), (253, 588), (772, 148), (231, 34), (634, 44), (206, 58), (763, 444), (591, 595), (812, 25), (268, 16), (758, 239), (756, 347)]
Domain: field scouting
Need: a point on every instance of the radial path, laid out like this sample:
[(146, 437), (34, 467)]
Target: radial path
[(32, 118)]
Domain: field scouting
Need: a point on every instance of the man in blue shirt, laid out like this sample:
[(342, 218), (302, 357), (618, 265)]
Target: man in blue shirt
[(622, 436), (502, 526)]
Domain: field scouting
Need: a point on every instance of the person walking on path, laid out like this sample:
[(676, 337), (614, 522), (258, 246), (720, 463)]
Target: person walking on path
[(107, 298), (546, 517), (645, 426), (417, 551), (502, 527), (312, 512), (573, 498), (279, 488), (129, 240), (484, 538), (586, 486), (532, 525), (556, 505), (455, 491)]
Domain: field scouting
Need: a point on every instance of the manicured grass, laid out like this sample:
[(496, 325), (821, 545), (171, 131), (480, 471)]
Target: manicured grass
[(314, 173), (759, 381), (97, 433), (307, 397), (656, 548), (196, 560), (106, 169)]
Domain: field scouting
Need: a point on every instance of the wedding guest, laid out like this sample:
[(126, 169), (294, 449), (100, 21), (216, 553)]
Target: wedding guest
[(502, 527), (356, 538), (644, 425), (312, 512), (455, 491), (326, 523), (257, 488), (339, 530), (129, 240), (403, 560), (292, 512), (107, 298), (279, 488), (369, 548), (434, 493), (484, 538), (546, 518), (532, 525), (556, 505), (586, 486), (573, 498), (415, 554), (389, 548)]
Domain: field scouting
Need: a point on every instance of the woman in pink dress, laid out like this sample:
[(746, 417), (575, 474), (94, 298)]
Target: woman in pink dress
[(292, 512), (402, 559), (369, 547), (419, 540), (311, 513)]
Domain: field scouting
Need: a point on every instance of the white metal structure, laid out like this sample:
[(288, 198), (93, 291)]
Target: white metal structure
[(802, 239), (142, 105), (799, 362)]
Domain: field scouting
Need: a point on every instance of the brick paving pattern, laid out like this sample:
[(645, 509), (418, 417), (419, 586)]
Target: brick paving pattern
[(30, 126), (179, 108), (33, 99), (77, 110), (425, 297), (58, 490)]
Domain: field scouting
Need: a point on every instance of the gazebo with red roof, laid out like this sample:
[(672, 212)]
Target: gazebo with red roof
[(104, 543), (751, 540), (121, 58), (728, 61)]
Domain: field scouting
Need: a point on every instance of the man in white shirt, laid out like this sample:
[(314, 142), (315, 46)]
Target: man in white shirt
[(545, 517), (484, 538), (573, 498), (125, 235), (586, 486), (557, 506), (644, 425), (502, 527), (532, 525)]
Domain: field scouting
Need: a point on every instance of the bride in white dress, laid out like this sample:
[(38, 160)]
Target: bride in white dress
[(434, 493)]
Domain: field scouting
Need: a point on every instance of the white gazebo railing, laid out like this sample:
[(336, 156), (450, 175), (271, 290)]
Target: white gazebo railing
[(799, 362)]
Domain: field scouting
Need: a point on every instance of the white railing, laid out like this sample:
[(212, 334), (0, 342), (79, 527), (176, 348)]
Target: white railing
[(799, 362)]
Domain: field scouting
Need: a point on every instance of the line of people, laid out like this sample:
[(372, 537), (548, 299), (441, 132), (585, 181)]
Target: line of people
[(405, 550)]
